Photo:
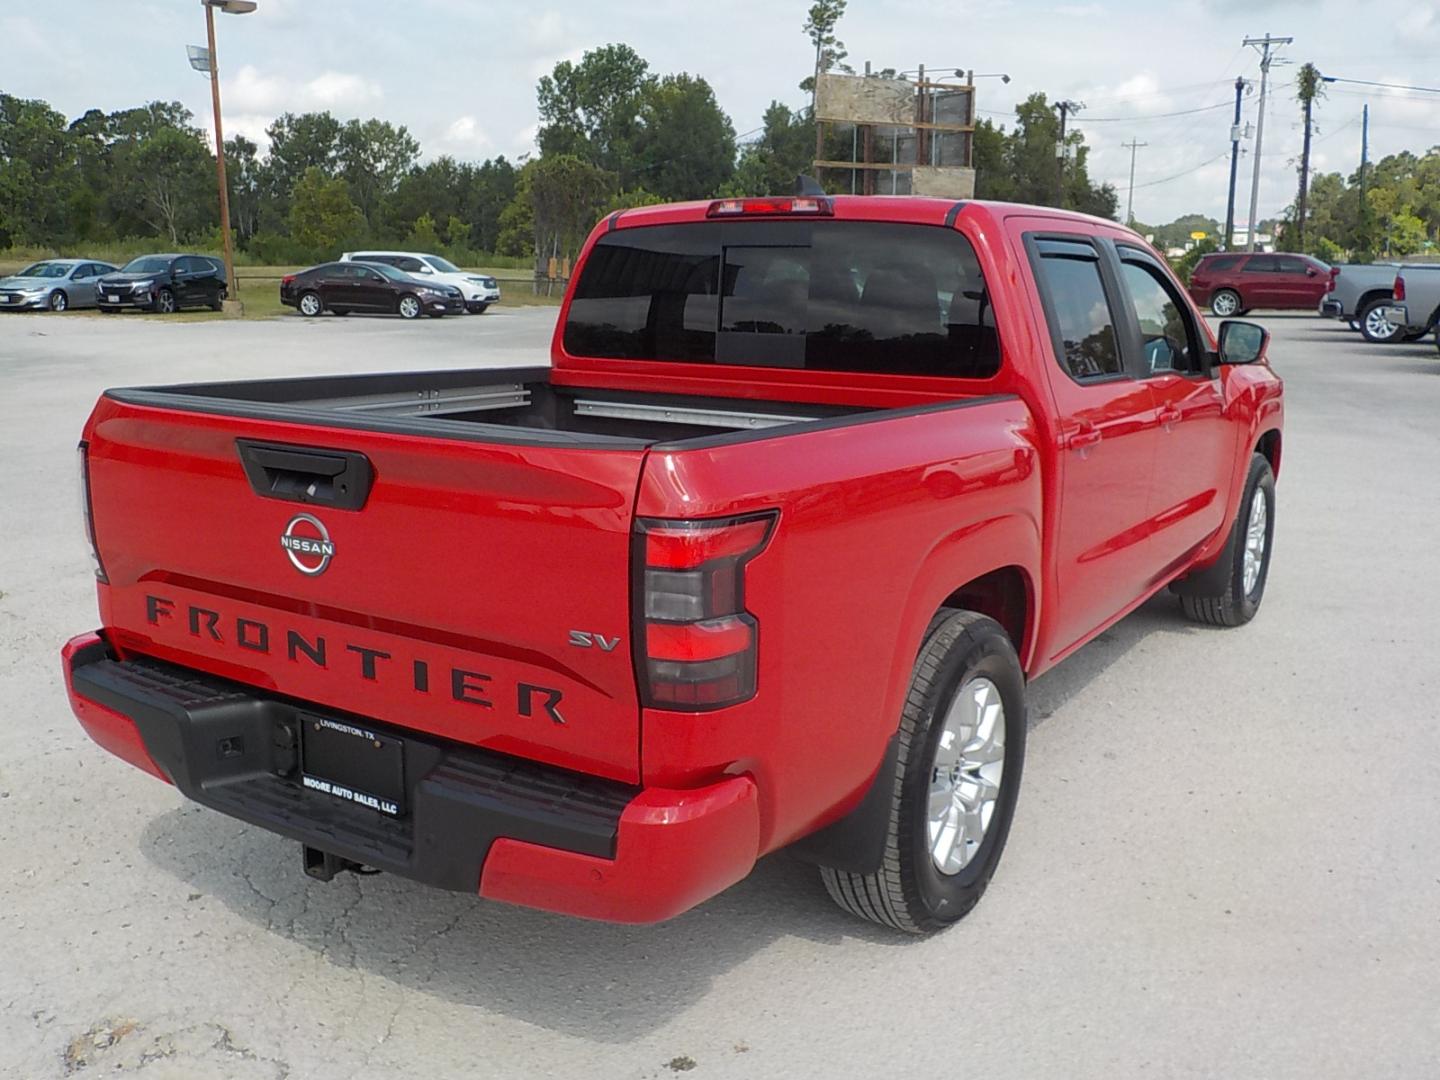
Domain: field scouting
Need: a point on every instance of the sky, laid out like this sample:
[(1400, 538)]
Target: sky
[(460, 74)]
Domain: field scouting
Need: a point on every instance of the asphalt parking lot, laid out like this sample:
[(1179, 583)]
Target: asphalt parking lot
[(1226, 859)]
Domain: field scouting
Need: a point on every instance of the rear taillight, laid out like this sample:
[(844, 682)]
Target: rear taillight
[(696, 644), (88, 514), (1399, 287), (288, 279), (804, 205), (1334, 276)]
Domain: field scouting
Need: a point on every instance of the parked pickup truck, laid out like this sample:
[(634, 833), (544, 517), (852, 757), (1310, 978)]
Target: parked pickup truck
[(763, 559), (1416, 302), (1359, 294)]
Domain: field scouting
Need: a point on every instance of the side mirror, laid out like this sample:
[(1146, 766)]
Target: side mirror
[(425, 268), (1242, 342), (1310, 271)]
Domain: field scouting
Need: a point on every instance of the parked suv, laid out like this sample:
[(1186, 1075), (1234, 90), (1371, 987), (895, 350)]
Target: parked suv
[(479, 290), (1233, 282), (163, 283)]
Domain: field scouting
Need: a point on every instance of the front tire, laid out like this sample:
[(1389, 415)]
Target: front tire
[(1225, 303), (59, 301), (165, 302), (1374, 327), (961, 749), (310, 305), (409, 307), (1237, 599)]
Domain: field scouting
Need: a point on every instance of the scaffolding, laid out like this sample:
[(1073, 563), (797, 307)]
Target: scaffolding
[(884, 136)]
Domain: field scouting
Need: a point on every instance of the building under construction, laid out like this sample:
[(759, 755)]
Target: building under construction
[(895, 136)]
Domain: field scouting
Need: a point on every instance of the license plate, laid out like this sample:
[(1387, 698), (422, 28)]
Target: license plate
[(350, 762), (113, 298)]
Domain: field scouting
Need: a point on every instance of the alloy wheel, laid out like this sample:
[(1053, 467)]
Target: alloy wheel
[(965, 777), (1255, 530)]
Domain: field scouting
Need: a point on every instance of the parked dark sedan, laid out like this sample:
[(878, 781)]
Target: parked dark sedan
[(163, 283), (343, 287)]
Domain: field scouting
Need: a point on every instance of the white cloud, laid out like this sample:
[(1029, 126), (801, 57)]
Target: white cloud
[(462, 138), (250, 90)]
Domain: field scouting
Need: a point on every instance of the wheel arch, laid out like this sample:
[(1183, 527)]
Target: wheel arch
[(1369, 296), (1268, 446), (855, 842)]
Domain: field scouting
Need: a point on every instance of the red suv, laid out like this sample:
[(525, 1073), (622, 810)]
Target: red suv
[(1234, 282)]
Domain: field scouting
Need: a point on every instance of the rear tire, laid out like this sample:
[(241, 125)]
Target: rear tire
[(218, 304), (1251, 545), (1225, 303), (961, 749), (1375, 328), (310, 304)]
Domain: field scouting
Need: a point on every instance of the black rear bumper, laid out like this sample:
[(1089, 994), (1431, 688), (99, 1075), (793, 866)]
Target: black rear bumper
[(235, 750)]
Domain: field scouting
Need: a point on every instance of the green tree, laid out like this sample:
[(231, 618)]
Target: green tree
[(298, 143), (39, 174), (323, 217), (1309, 87), (423, 236), (686, 145), (457, 232), (567, 196), (591, 110), (769, 165), (244, 173), (1020, 165), (820, 23), (171, 179), (372, 156)]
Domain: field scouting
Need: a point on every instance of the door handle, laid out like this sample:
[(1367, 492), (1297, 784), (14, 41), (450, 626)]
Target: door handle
[(1083, 437), (338, 478), (1168, 416)]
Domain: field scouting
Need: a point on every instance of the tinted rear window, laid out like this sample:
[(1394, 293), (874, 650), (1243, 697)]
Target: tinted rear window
[(827, 296)]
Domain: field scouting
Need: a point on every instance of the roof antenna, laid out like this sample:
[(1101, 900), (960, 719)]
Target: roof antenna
[(808, 185)]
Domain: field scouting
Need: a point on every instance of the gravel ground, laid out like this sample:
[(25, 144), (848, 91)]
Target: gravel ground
[(1226, 860)]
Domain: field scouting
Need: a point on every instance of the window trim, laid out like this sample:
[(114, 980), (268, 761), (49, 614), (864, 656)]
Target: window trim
[(1109, 285), (1130, 253)]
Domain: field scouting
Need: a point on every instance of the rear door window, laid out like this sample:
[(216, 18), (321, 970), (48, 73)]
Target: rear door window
[(1082, 324), (870, 297), (1262, 264)]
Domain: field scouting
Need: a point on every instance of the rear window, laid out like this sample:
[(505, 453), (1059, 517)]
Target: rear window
[(824, 296), (1220, 262)]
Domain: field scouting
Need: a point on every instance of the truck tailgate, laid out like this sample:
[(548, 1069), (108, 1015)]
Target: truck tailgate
[(444, 604)]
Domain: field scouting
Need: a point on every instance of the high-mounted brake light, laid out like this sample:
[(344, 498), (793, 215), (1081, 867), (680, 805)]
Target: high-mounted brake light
[(1399, 289), (700, 644), (88, 514), (803, 205)]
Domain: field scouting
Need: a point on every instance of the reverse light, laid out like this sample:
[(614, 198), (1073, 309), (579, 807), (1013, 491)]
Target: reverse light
[(805, 205), (700, 644), (88, 514)]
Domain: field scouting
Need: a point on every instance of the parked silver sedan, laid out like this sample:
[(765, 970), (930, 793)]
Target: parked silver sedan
[(53, 285)]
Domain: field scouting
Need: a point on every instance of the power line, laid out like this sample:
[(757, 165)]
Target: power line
[(1386, 85), (1179, 175), (1155, 116)]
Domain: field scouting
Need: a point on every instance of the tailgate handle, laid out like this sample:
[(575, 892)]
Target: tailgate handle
[(319, 477)]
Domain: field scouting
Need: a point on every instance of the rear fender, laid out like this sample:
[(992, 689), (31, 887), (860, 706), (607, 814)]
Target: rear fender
[(854, 838)]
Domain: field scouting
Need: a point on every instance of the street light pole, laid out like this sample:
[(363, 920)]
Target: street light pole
[(233, 7)]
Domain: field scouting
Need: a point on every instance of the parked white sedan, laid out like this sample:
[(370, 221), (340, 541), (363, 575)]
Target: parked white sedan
[(53, 285)]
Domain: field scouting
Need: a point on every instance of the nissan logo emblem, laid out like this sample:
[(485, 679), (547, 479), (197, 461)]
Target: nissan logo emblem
[(307, 543)]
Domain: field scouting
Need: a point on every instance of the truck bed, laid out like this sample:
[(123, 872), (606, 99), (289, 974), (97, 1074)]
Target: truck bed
[(500, 405)]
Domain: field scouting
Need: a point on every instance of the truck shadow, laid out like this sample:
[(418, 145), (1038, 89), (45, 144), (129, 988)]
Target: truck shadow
[(604, 983)]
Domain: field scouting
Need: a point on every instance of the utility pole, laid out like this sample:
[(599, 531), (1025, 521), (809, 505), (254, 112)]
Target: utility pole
[(1364, 162), (1235, 133), (1066, 107), (1132, 146), (1264, 45)]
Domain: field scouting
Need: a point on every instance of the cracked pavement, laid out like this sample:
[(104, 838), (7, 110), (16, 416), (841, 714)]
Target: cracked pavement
[(1226, 859)]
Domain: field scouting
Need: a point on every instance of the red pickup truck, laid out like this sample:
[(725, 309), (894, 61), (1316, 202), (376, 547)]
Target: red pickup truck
[(763, 559)]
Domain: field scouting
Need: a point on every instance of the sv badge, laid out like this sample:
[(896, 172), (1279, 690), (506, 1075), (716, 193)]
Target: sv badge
[(584, 640)]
